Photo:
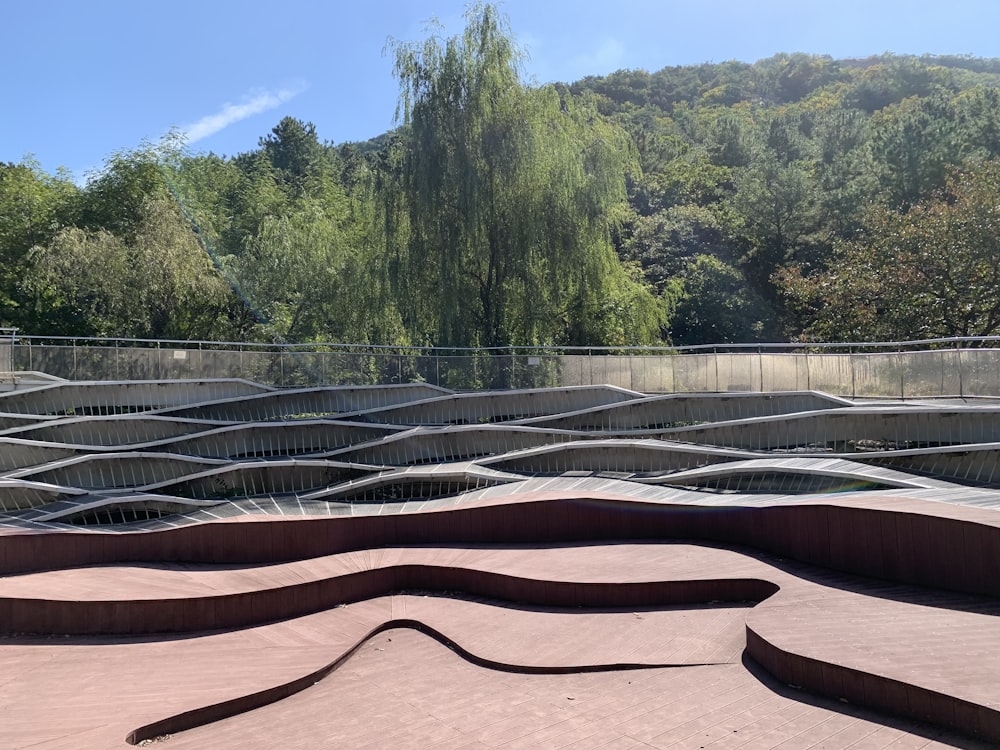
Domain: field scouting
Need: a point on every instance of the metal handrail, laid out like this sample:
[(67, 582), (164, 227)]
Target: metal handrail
[(553, 349)]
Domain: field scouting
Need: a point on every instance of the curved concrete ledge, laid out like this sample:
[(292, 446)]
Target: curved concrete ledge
[(794, 471), (885, 424), (497, 406), (11, 422), (247, 608), (629, 456), (186, 476), (451, 443), (17, 454), (112, 397), (279, 404), (874, 690), (21, 494), (113, 432), (71, 511), (913, 543), (659, 412), (225, 709)]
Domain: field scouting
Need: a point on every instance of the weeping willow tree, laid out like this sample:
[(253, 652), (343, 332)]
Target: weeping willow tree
[(511, 192)]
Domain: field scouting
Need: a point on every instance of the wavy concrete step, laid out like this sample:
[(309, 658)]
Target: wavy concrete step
[(810, 620)]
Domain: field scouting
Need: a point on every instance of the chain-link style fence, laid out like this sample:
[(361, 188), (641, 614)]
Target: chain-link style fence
[(937, 368)]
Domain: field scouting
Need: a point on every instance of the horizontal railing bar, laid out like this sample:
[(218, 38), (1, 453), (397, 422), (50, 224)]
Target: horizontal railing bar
[(554, 350)]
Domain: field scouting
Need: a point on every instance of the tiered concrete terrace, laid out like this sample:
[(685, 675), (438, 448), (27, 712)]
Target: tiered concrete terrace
[(222, 564)]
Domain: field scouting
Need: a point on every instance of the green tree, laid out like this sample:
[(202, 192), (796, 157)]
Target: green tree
[(928, 272), (157, 283), (115, 197), (716, 305), (977, 112), (914, 145), (776, 203), (788, 78), (668, 242), (510, 191), (294, 150), (33, 208), (293, 269), (845, 179)]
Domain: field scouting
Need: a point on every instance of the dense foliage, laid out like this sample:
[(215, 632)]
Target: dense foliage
[(796, 197)]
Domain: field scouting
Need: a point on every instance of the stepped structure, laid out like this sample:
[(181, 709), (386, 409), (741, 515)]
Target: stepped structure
[(220, 563)]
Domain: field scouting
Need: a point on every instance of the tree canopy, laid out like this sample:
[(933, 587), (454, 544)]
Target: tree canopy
[(795, 197), (512, 196), (931, 272)]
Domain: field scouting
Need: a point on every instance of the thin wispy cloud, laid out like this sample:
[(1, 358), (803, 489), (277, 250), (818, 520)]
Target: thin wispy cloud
[(254, 103)]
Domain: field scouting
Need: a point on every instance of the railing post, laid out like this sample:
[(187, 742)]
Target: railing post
[(902, 383), (9, 356), (961, 375), (760, 368), (854, 379)]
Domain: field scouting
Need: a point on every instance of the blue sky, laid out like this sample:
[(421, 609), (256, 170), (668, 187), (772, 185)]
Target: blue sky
[(85, 78)]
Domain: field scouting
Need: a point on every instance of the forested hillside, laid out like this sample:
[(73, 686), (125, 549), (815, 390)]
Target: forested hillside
[(797, 197)]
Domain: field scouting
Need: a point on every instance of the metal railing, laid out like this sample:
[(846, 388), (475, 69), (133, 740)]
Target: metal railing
[(6, 348), (954, 367)]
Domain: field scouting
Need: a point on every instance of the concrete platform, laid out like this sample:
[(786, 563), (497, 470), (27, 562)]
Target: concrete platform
[(104, 688), (489, 585)]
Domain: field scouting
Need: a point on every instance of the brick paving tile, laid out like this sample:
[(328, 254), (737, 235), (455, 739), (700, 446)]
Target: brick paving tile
[(601, 737), (623, 743)]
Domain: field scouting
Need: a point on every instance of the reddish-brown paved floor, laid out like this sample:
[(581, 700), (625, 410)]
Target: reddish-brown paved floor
[(405, 690), (90, 692)]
